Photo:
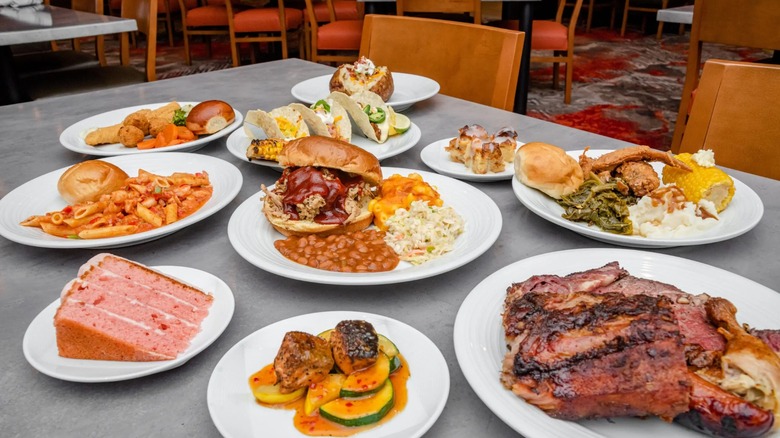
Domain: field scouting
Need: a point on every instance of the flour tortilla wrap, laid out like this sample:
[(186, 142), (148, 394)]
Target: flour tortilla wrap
[(355, 105), (282, 123), (319, 119)]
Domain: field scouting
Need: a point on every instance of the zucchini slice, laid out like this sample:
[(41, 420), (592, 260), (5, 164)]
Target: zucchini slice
[(360, 412), (369, 380), (323, 392)]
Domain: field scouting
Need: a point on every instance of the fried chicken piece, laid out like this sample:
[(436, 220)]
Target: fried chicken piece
[(640, 177), (105, 135), (611, 160), (750, 368), (139, 119), (156, 124), (166, 111), (302, 359), (355, 345), (129, 136)]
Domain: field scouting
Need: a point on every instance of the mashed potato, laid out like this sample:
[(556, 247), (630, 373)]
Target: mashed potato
[(667, 213)]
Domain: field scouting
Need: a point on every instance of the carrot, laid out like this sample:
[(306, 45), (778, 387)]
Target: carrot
[(185, 134), (177, 141), (147, 144), (167, 135)]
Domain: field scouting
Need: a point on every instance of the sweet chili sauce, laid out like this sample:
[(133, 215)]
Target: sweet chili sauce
[(315, 425)]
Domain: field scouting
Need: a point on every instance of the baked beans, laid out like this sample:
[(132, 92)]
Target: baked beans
[(361, 251)]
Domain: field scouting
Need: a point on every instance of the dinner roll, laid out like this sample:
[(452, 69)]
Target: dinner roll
[(209, 117), (87, 180), (547, 168)]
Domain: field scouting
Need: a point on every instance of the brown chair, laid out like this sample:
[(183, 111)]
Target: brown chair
[(736, 115), (591, 6), (166, 10), (471, 7), (338, 39), (743, 24), (263, 25), (208, 20), (97, 78), (650, 6), (469, 61)]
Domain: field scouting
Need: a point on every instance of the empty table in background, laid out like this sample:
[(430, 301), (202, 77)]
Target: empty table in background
[(680, 14)]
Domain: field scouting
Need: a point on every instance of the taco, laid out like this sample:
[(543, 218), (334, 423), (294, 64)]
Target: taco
[(326, 118), (283, 123), (369, 112)]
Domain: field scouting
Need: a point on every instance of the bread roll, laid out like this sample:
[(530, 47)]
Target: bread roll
[(547, 168), (321, 151), (87, 180), (209, 117)]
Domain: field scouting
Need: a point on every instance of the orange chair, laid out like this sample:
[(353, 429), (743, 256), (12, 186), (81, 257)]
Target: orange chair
[(165, 8), (742, 24), (208, 20), (337, 36), (472, 7), (343, 9), (263, 25)]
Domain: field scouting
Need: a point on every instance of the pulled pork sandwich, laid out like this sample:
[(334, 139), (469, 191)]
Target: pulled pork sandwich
[(324, 189)]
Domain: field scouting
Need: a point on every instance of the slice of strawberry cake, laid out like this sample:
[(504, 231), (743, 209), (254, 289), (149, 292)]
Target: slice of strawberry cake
[(121, 310)]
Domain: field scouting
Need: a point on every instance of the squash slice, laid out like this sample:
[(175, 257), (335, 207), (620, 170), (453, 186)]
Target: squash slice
[(363, 411), (368, 380)]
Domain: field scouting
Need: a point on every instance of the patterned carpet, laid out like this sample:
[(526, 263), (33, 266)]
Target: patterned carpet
[(627, 88)]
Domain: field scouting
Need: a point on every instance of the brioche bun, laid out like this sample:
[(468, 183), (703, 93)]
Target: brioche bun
[(321, 151), (87, 180), (547, 168), (290, 227), (209, 117)]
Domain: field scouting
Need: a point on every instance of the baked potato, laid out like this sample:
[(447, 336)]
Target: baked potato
[(363, 75)]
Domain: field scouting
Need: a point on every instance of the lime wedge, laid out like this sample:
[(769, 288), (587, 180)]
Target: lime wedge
[(402, 123)]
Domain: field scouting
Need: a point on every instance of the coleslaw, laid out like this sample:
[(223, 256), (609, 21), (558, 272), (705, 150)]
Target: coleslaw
[(423, 232)]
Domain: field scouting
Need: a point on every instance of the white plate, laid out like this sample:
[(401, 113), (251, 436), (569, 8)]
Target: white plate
[(480, 344), (438, 159), (743, 213), (73, 136), (253, 237), (40, 343), (408, 90), (40, 196), (236, 414), (239, 141)]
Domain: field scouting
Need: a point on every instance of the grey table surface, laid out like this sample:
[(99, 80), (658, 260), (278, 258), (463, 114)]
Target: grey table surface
[(173, 403), (46, 23)]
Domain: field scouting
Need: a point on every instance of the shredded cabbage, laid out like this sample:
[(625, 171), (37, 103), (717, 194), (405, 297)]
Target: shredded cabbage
[(423, 232)]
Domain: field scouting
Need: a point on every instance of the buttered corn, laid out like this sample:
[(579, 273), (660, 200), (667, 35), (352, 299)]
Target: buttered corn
[(703, 182), (266, 149)]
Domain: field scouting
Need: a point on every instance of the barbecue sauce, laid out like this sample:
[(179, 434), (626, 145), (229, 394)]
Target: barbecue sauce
[(308, 181)]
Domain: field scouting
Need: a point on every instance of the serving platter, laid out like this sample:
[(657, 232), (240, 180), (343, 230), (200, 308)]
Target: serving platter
[(437, 158), (408, 90), (252, 236), (73, 136), (480, 345), (236, 414), (240, 139), (40, 344), (39, 196), (742, 215)]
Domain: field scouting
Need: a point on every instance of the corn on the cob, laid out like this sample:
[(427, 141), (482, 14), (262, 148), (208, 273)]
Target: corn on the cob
[(266, 149), (708, 183)]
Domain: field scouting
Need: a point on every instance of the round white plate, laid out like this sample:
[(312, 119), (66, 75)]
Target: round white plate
[(408, 90), (240, 139), (438, 159), (743, 213), (40, 343), (236, 414), (253, 237), (73, 136), (480, 345), (40, 196)]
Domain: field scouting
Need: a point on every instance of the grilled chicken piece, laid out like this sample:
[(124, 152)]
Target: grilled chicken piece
[(302, 359), (640, 177), (355, 345), (611, 160), (583, 355), (750, 368)]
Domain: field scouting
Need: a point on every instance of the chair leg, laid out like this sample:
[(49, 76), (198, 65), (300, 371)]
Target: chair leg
[(284, 48), (234, 52), (589, 20), (660, 30), (208, 46), (187, 55), (569, 75), (169, 28), (613, 15), (682, 28), (625, 18), (556, 74)]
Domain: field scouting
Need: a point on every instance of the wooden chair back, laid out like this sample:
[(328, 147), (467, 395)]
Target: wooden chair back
[(736, 114), (469, 61), (473, 7), (752, 23), (144, 12)]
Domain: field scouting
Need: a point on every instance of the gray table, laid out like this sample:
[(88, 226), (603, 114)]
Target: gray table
[(680, 14), (173, 403), (46, 23)]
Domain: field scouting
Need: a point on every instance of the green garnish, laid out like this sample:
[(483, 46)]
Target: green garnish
[(180, 117), (321, 103), (157, 190), (601, 204), (377, 116), (430, 249)]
